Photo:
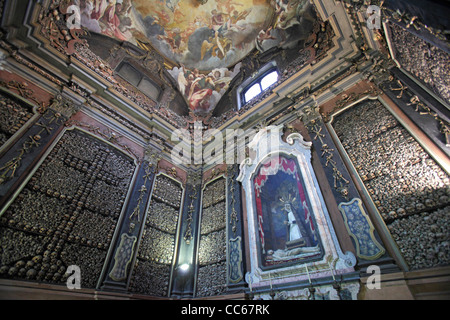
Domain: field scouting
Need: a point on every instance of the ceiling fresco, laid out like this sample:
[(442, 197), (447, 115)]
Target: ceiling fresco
[(202, 34), (202, 40)]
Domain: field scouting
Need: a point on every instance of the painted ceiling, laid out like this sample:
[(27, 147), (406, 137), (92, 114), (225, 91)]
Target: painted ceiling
[(204, 40)]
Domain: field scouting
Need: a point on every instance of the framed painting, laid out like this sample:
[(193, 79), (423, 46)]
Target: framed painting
[(287, 229)]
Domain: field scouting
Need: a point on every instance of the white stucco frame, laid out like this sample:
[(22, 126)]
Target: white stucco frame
[(333, 261)]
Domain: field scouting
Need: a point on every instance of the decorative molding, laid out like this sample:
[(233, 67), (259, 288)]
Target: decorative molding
[(361, 229), (261, 277), (347, 99), (22, 89), (123, 257), (235, 259), (135, 216), (312, 120), (107, 134)]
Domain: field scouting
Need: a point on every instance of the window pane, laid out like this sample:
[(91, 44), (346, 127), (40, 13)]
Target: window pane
[(269, 80), (252, 92), (130, 74), (149, 89)]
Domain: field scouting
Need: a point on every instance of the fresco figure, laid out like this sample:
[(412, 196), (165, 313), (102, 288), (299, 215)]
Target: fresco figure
[(200, 35), (86, 17)]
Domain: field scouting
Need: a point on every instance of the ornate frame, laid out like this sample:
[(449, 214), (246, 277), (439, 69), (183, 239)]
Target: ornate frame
[(333, 259)]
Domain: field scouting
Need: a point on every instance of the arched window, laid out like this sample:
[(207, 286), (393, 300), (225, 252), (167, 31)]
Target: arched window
[(259, 85)]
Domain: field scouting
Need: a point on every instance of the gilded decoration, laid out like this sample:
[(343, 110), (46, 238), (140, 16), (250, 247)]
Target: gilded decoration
[(233, 172), (196, 181), (135, 216), (107, 134), (312, 119)]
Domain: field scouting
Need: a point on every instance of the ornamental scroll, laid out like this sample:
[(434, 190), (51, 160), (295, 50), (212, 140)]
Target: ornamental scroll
[(361, 229)]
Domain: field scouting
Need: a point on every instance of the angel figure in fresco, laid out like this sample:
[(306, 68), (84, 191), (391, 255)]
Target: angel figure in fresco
[(218, 46), (200, 90), (123, 10), (87, 21), (289, 14), (193, 26), (217, 20), (172, 4), (195, 87), (99, 9), (263, 35), (110, 16), (161, 18), (235, 17), (221, 79)]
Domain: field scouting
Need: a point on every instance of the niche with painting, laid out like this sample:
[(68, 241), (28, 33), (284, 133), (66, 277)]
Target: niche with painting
[(286, 226)]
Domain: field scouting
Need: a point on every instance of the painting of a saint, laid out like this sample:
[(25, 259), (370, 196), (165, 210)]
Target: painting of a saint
[(287, 229)]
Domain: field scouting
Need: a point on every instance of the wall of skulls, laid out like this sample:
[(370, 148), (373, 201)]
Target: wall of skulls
[(151, 274), (12, 117), (212, 252), (410, 190), (425, 61), (67, 213)]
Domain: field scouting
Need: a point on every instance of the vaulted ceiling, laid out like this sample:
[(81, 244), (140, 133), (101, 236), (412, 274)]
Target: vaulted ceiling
[(158, 65), (202, 41)]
